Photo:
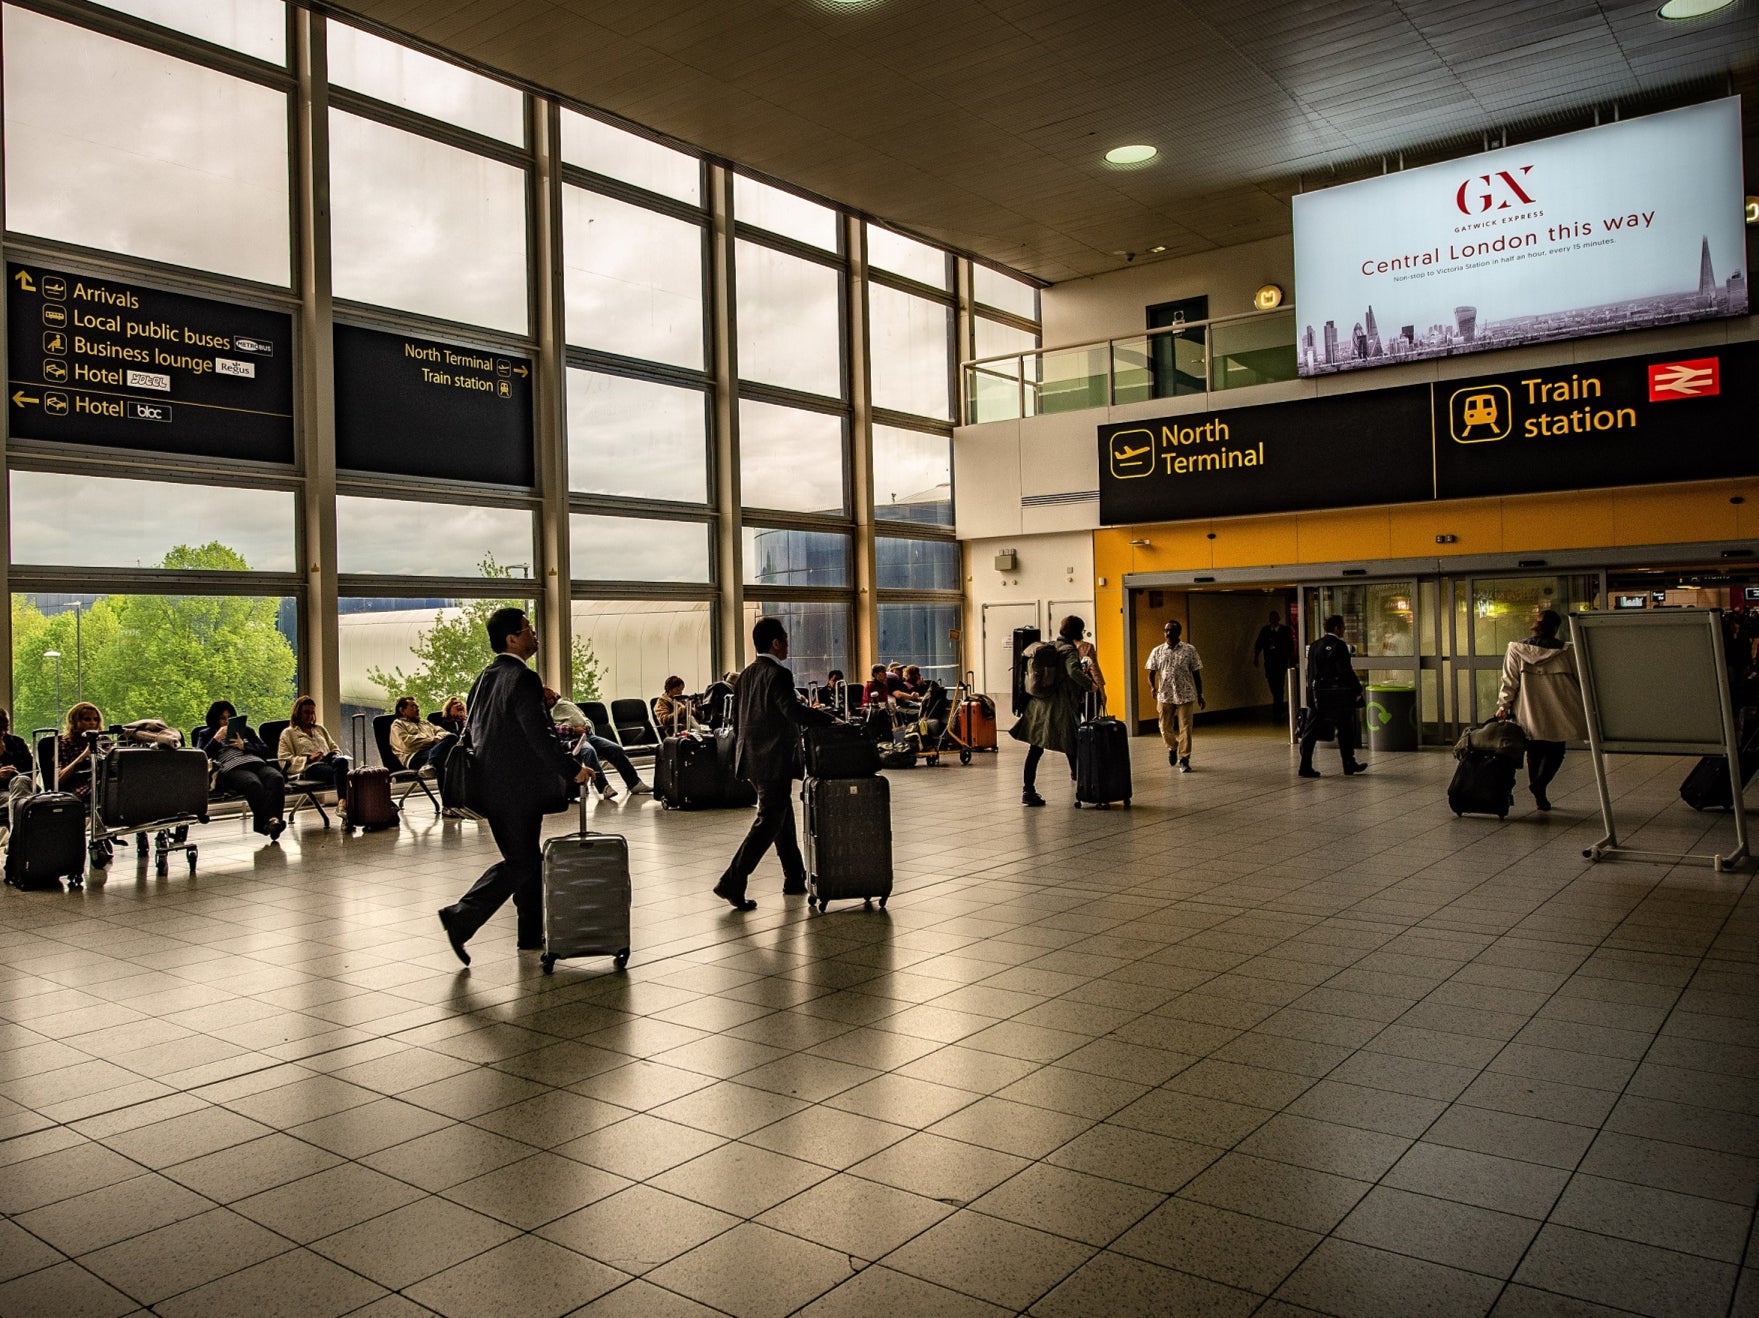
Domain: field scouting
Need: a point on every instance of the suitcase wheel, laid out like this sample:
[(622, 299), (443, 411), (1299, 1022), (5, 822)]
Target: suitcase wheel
[(101, 854), (621, 959), (1126, 803), (965, 757), (867, 903), (882, 903), (162, 866), (1457, 814), (549, 963), (191, 853), (75, 882)]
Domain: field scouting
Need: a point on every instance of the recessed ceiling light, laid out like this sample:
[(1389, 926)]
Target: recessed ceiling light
[(1157, 249), (1677, 9), (1140, 154)]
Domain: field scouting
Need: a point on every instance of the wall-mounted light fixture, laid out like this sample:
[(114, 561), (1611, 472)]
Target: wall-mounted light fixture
[(1007, 561)]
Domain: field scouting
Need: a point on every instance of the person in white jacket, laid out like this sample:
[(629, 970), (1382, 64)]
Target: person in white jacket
[(1541, 692)]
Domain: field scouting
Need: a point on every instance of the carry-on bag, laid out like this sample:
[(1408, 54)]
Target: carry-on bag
[(1483, 784), (367, 793), (138, 786), (687, 773), (1501, 737), (1707, 786), (732, 790), (48, 842), (839, 750), (1102, 760), (587, 896), (848, 840)]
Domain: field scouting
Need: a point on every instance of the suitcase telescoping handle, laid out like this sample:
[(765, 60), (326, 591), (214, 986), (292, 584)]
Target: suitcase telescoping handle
[(359, 739)]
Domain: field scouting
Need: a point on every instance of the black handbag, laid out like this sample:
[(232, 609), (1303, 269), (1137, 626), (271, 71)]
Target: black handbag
[(460, 777)]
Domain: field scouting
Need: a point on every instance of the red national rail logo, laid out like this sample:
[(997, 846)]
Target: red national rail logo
[(1698, 378)]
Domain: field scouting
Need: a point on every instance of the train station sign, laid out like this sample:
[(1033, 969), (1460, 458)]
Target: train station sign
[(1677, 416), (99, 361), (422, 407)]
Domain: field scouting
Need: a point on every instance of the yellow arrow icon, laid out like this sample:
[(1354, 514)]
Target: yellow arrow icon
[(24, 282), (520, 370), (20, 398)]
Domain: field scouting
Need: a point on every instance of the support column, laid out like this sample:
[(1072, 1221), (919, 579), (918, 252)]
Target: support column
[(549, 402), (5, 480), (864, 644), (320, 644), (730, 639)]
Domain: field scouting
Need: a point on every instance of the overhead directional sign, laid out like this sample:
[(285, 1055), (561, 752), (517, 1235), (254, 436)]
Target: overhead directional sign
[(420, 407), (97, 361)]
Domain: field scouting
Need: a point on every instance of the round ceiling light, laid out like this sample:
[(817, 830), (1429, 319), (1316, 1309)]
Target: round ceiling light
[(1679, 9), (1139, 154)]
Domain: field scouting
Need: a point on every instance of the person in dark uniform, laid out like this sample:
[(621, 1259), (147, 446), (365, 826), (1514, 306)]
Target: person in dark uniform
[(522, 774), (769, 714), (1333, 694), (1275, 649)]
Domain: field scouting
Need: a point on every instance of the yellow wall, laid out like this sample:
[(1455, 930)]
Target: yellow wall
[(1584, 519)]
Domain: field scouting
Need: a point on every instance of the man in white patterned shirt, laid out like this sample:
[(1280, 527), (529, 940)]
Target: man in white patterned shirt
[(1178, 693)]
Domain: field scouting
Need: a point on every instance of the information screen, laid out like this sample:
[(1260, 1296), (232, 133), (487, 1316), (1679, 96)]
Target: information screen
[(97, 361), (420, 407)]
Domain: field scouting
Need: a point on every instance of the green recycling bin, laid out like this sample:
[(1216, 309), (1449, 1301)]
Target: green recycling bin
[(1392, 716)]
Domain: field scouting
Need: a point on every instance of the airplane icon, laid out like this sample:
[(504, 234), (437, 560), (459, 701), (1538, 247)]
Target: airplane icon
[(1130, 460)]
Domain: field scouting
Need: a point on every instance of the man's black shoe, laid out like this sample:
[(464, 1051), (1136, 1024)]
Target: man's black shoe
[(1305, 772), (739, 902), (1355, 768), (1030, 797), (452, 935), (794, 888)]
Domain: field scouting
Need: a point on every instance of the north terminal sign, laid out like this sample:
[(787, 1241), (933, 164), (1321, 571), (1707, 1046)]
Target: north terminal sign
[(421, 407), (97, 361), (1625, 421)]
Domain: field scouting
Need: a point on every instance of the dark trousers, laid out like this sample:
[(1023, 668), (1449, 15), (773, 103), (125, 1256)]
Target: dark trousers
[(1544, 759), (1033, 755), (332, 772), (1277, 679), (1339, 710), (262, 785), (774, 825), (594, 752), (517, 828)]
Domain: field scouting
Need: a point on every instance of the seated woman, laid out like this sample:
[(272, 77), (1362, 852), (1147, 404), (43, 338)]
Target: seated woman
[(244, 767), (305, 741), (73, 752), (451, 716), (674, 713)]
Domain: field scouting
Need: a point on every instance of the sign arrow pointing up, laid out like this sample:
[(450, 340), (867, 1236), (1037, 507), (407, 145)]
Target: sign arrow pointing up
[(24, 282)]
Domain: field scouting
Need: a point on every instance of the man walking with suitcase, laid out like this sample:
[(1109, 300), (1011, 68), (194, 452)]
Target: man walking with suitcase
[(1177, 670), (522, 774), (1333, 694), (769, 714)]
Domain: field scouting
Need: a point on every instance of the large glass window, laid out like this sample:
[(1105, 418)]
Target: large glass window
[(256, 27), (56, 520), (921, 634), (633, 280), (904, 564), (994, 337), (405, 538), (630, 647), (431, 649), (637, 549), (639, 439), (401, 76), (113, 146), (790, 458), (151, 656), (909, 350), (790, 321), (991, 288), (426, 227), (912, 476), (775, 556), (782, 212), (614, 153), (818, 635), (905, 256)]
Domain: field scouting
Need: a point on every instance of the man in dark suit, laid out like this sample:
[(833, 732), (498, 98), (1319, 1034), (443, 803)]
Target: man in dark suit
[(522, 773), (1334, 693), (769, 714)]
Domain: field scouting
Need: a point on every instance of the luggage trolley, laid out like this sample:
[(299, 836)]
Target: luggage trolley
[(970, 731), (139, 790)]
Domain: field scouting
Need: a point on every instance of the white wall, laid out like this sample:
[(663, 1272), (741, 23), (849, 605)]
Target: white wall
[(1053, 570)]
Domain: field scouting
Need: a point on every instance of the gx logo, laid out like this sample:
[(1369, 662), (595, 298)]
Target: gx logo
[(1499, 191)]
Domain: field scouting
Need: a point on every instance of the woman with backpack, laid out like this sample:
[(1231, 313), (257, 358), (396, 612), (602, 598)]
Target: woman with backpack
[(1056, 679)]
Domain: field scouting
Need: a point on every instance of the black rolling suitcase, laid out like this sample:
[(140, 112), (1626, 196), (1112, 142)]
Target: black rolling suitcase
[(687, 773), (1707, 786), (848, 842), (139, 786), (840, 750), (587, 896), (732, 789), (1102, 761), (1024, 637), (48, 842), (1483, 784)]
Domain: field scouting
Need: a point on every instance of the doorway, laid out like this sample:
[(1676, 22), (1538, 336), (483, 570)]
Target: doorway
[(1224, 625), (997, 673)]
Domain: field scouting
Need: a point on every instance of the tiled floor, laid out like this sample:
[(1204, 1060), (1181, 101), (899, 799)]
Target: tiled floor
[(1256, 1045)]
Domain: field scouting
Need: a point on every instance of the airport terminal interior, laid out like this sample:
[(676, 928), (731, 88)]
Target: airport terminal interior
[(918, 324)]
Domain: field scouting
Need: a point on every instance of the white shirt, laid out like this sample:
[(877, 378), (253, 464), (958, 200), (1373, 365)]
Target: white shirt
[(1172, 666)]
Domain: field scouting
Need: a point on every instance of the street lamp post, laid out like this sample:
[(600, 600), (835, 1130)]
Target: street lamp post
[(56, 656)]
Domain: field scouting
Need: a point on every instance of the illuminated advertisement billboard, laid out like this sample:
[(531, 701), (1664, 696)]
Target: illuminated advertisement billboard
[(1623, 227)]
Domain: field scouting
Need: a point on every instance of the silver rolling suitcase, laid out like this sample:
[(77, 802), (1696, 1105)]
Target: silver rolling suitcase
[(586, 896)]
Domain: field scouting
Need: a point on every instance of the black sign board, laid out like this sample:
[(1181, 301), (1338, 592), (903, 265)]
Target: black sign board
[(1625, 421), (417, 407), (1315, 453), (95, 361)]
